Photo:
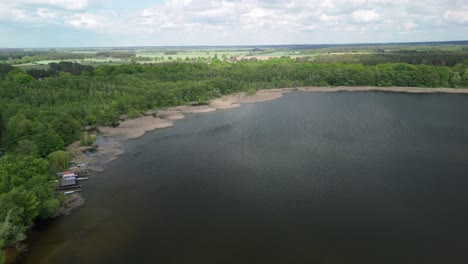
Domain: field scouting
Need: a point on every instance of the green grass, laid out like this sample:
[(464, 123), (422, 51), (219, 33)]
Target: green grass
[(87, 140), (98, 60)]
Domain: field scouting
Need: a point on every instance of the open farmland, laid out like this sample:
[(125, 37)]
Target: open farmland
[(445, 53)]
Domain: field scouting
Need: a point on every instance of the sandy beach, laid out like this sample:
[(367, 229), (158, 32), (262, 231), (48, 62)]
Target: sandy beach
[(135, 128)]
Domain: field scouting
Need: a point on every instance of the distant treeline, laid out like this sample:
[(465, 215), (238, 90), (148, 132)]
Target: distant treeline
[(56, 68), (19, 57), (116, 54), (40, 117), (16, 54), (410, 57)]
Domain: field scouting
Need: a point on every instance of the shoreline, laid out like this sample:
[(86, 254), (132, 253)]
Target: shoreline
[(111, 147), (159, 119), (384, 89)]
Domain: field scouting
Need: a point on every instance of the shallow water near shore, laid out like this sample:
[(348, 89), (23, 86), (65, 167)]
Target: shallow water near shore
[(346, 177)]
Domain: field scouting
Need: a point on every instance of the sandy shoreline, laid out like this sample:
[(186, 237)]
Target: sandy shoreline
[(384, 89), (135, 128)]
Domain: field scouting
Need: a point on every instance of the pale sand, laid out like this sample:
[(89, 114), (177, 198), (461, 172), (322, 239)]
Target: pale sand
[(170, 114), (176, 116), (135, 128), (193, 109), (228, 101), (235, 100)]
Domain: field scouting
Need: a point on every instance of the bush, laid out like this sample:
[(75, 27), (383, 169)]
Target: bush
[(87, 141), (251, 91), (58, 160)]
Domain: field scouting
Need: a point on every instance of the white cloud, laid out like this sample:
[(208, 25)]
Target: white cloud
[(329, 19), (365, 16), (62, 4), (409, 25), (309, 27), (457, 16), (4, 10), (87, 21), (246, 21), (46, 14)]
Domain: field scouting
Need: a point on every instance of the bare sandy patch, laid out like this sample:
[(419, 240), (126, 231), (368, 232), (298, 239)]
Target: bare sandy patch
[(227, 101), (263, 96), (170, 114), (235, 100), (135, 128), (187, 109), (176, 116)]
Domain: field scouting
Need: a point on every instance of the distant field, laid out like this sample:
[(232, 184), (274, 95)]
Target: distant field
[(281, 53), (98, 60), (205, 54), (106, 62), (84, 52), (448, 53), (44, 64), (344, 53)]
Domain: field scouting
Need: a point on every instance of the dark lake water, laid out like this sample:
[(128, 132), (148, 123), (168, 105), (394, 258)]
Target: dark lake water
[(348, 177)]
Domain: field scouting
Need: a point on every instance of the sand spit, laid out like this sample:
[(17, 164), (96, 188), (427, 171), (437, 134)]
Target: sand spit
[(235, 100), (263, 96), (135, 128)]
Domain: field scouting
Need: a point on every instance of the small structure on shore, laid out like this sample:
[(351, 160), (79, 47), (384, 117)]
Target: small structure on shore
[(67, 182), (69, 179)]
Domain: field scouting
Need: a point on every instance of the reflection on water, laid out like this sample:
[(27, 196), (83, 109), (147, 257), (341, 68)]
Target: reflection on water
[(311, 178)]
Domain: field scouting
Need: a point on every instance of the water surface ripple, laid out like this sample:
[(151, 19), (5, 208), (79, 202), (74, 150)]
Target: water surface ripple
[(347, 177)]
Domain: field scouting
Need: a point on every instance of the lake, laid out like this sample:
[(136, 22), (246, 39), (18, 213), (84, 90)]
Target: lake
[(346, 177)]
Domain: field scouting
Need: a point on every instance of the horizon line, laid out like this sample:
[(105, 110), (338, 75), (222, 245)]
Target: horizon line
[(251, 45)]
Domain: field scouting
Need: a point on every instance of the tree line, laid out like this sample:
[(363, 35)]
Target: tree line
[(439, 58), (19, 56), (43, 113)]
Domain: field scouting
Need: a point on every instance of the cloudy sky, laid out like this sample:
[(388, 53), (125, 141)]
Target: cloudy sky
[(65, 23)]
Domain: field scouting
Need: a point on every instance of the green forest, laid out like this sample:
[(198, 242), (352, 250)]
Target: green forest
[(44, 110)]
